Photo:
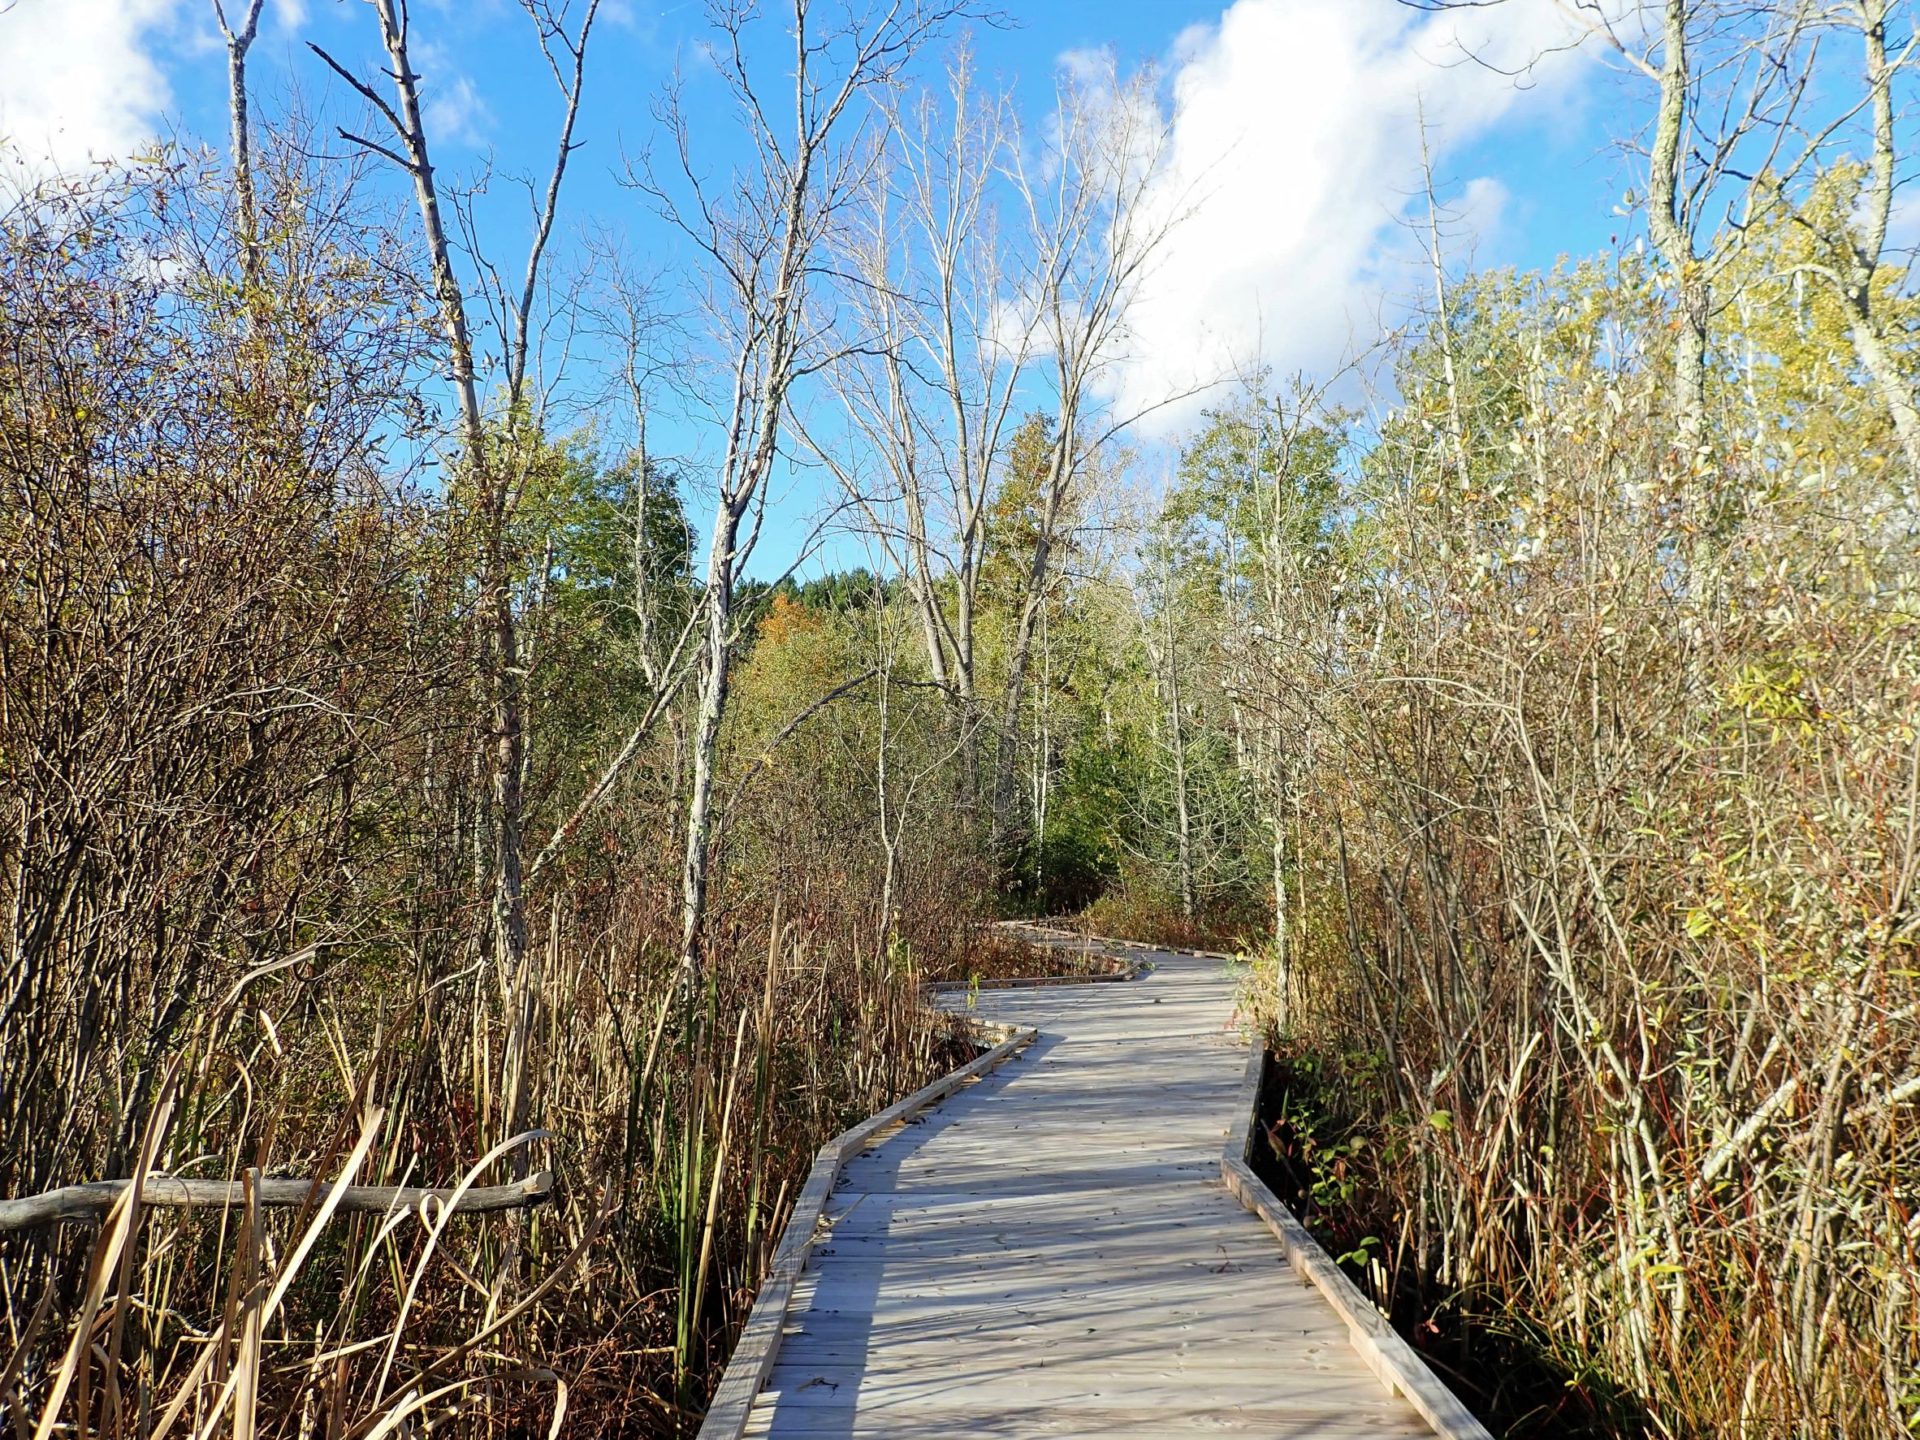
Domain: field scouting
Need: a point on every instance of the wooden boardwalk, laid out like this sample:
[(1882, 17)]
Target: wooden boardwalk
[(1051, 1252)]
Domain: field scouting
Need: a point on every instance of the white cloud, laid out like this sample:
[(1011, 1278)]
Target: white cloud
[(451, 104), (78, 83), (1295, 140), (455, 112)]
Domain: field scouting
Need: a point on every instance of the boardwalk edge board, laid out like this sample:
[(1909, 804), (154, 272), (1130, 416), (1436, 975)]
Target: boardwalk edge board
[(1396, 1363), (759, 1343)]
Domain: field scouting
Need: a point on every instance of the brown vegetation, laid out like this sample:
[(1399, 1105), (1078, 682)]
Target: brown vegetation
[(249, 883), (393, 795)]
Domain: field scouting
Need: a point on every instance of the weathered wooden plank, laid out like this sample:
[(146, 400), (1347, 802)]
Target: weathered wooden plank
[(984, 1418), (986, 1182), (1035, 1245), (1056, 1251), (1216, 1353), (1137, 1388), (1292, 1334), (1389, 1356), (759, 1343), (935, 1203)]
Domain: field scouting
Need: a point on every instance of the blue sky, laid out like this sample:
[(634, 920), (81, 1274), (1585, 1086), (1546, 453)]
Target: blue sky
[(1294, 121)]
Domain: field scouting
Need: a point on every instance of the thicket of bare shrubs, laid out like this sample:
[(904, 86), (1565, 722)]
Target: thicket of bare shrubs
[(248, 878), (1610, 855)]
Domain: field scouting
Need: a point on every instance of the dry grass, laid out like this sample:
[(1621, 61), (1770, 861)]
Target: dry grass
[(680, 1142)]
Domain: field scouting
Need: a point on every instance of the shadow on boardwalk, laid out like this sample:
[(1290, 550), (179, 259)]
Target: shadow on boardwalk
[(1051, 1252)]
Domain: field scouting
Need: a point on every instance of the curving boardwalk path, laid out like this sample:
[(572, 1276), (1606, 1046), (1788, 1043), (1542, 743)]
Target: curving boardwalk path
[(1051, 1252)]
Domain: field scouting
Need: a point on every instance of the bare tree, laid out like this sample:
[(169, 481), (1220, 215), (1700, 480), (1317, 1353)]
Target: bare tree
[(239, 41), (1667, 223), (955, 318), (1292, 457), (1164, 643), (1097, 217), (930, 384), (1858, 251), (634, 322), (761, 236), (1731, 134), (1442, 327), (492, 466), (903, 773), (1731, 79)]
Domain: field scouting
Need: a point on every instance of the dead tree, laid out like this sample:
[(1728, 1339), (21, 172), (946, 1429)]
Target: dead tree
[(761, 238), (489, 463), (931, 378), (1731, 135), (1097, 217), (1857, 265), (239, 41)]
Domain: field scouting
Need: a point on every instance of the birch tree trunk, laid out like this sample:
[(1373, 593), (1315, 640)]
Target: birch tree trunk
[(506, 706), (715, 673), (1038, 579), (238, 43), (1866, 246), (1095, 224), (489, 468), (1182, 808), (1672, 237), (933, 390), (763, 240)]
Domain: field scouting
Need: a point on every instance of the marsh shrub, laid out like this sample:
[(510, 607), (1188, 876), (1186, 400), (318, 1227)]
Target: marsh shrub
[(245, 869), (1610, 831)]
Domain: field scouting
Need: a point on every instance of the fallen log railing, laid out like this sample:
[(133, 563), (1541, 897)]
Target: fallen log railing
[(1092, 966), (92, 1201), (1058, 928)]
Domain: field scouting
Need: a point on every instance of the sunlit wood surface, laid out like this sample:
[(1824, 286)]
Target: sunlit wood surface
[(1052, 1252)]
